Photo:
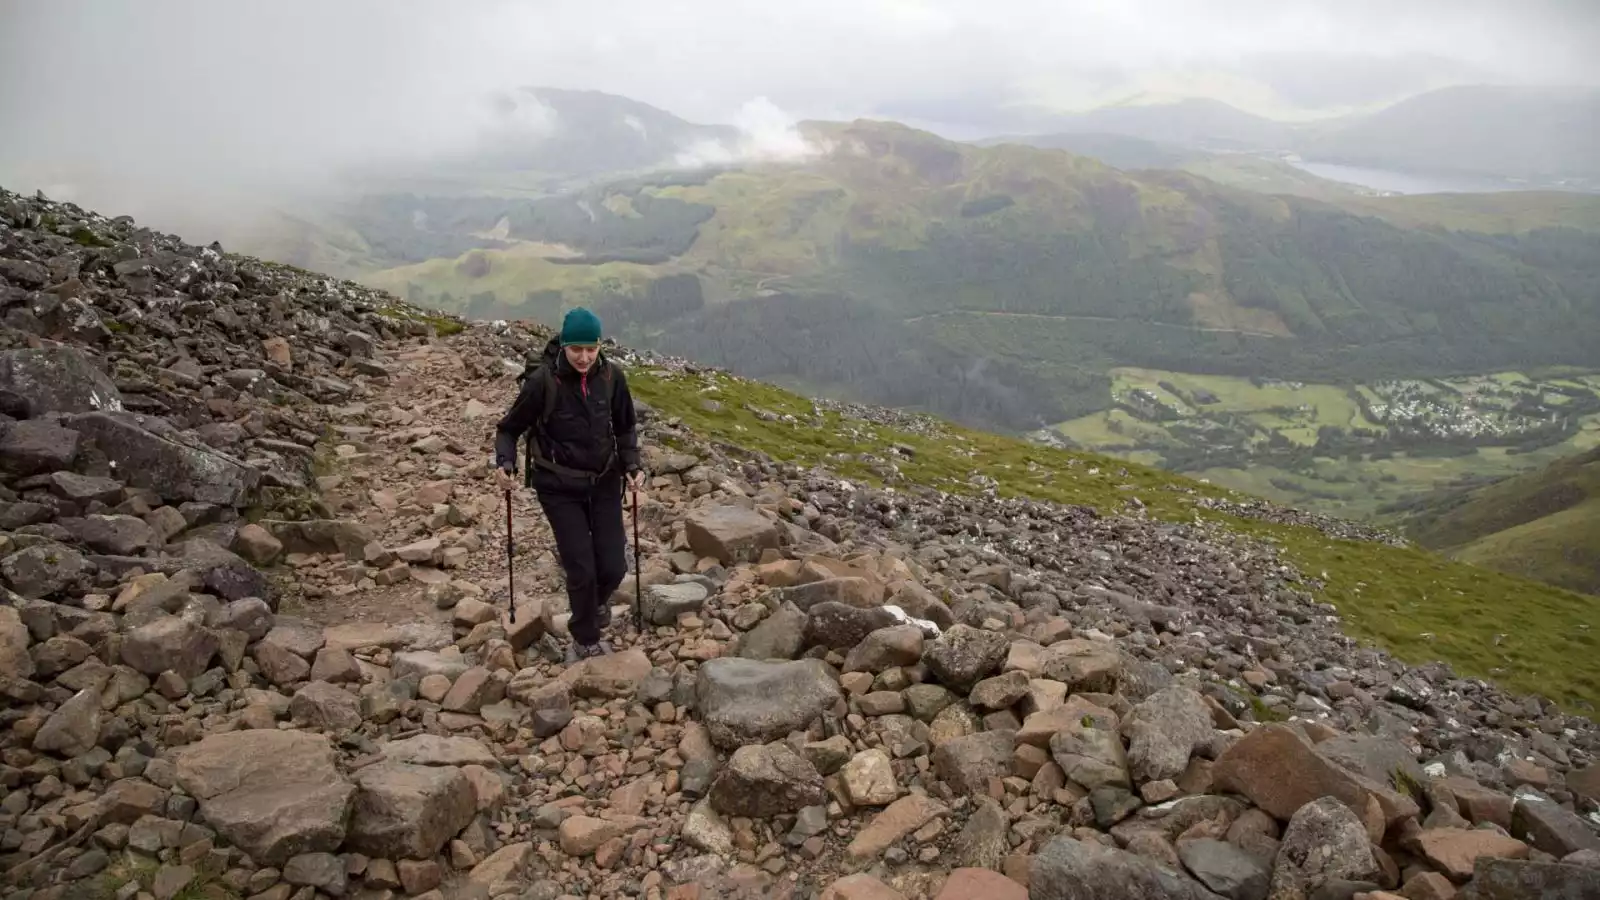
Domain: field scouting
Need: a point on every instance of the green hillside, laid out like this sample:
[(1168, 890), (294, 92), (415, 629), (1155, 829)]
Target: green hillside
[(1542, 524), (1418, 605), (1038, 265)]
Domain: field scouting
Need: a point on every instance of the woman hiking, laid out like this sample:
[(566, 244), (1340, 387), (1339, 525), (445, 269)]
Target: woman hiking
[(584, 443)]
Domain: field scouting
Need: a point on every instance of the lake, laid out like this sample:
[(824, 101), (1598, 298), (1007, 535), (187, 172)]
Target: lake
[(1407, 182)]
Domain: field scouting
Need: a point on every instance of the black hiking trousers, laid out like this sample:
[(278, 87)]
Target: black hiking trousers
[(592, 545)]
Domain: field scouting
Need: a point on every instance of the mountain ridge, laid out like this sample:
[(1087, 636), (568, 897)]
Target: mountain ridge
[(906, 223), (1541, 135)]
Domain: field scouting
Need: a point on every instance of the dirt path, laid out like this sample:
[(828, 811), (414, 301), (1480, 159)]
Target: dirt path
[(409, 463)]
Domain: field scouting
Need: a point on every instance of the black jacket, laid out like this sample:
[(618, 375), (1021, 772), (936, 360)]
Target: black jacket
[(590, 429)]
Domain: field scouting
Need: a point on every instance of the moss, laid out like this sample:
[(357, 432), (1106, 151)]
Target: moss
[(444, 327), (287, 504), (1419, 606), (1263, 712), (86, 238), (128, 868), (1405, 784), (121, 871)]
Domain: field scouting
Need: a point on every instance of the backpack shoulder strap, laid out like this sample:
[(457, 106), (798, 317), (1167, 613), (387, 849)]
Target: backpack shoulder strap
[(548, 379)]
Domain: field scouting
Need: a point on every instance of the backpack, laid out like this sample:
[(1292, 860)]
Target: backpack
[(534, 367)]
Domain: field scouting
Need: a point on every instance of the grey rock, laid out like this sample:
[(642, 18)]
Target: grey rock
[(36, 445), (1226, 869), (842, 626), (780, 635), (73, 728), (1325, 841), (744, 701), (964, 655), (1068, 869), (1511, 879), (173, 467), (1164, 731), (404, 811), (663, 603), (272, 794), (44, 570), (763, 780), (57, 379), (967, 763)]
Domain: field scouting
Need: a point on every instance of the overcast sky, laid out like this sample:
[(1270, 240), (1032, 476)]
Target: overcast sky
[(235, 93)]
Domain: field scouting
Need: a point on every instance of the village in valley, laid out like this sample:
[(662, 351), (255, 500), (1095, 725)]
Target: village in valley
[(1347, 449)]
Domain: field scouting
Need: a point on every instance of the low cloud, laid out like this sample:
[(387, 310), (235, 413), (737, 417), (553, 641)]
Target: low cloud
[(766, 134), (194, 107)]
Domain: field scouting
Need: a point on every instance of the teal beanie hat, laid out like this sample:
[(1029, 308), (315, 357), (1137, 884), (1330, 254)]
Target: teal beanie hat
[(580, 327)]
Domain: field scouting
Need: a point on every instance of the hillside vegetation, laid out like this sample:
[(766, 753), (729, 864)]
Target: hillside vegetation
[(1420, 606), (1542, 524), (1054, 265)]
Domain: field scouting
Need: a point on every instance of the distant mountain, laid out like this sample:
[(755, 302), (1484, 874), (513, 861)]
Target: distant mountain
[(1543, 524), (1545, 136), (1202, 123), (590, 133), (1037, 269), (1236, 169), (1511, 132)]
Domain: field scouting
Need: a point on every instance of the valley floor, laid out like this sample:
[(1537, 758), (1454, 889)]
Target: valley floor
[(1350, 451)]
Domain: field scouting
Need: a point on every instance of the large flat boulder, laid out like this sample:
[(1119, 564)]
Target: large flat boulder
[(1068, 869), (1509, 879), (36, 446), (748, 701), (56, 379), (146, 454), (272, 794), (1281, 771), (730, 534), (405, 811)]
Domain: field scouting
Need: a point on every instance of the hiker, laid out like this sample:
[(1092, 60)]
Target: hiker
[(583, 444)]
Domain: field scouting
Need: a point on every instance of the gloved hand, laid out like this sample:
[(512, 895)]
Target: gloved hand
[(503, 480)]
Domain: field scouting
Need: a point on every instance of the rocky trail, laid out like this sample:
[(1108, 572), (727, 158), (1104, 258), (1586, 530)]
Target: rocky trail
[(253, 644)]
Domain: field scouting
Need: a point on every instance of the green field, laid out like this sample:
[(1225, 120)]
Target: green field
[(1418, 605), (1251, 416)]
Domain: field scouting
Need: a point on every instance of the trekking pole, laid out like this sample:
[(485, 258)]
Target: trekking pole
[(638, 580), (511, 564)]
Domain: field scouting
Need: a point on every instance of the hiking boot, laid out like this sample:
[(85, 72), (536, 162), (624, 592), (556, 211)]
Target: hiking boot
[(580, 652), (604, 618)]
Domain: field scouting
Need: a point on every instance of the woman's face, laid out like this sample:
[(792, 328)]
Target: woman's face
[(581, 358)]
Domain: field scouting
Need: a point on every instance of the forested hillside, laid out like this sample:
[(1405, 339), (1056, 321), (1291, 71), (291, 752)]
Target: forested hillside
[(1041, 267)]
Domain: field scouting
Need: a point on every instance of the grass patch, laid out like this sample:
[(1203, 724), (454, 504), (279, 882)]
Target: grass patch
[(1419, 606), (130, 868), (1263, 712), (1405, 784), (443, 326)]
